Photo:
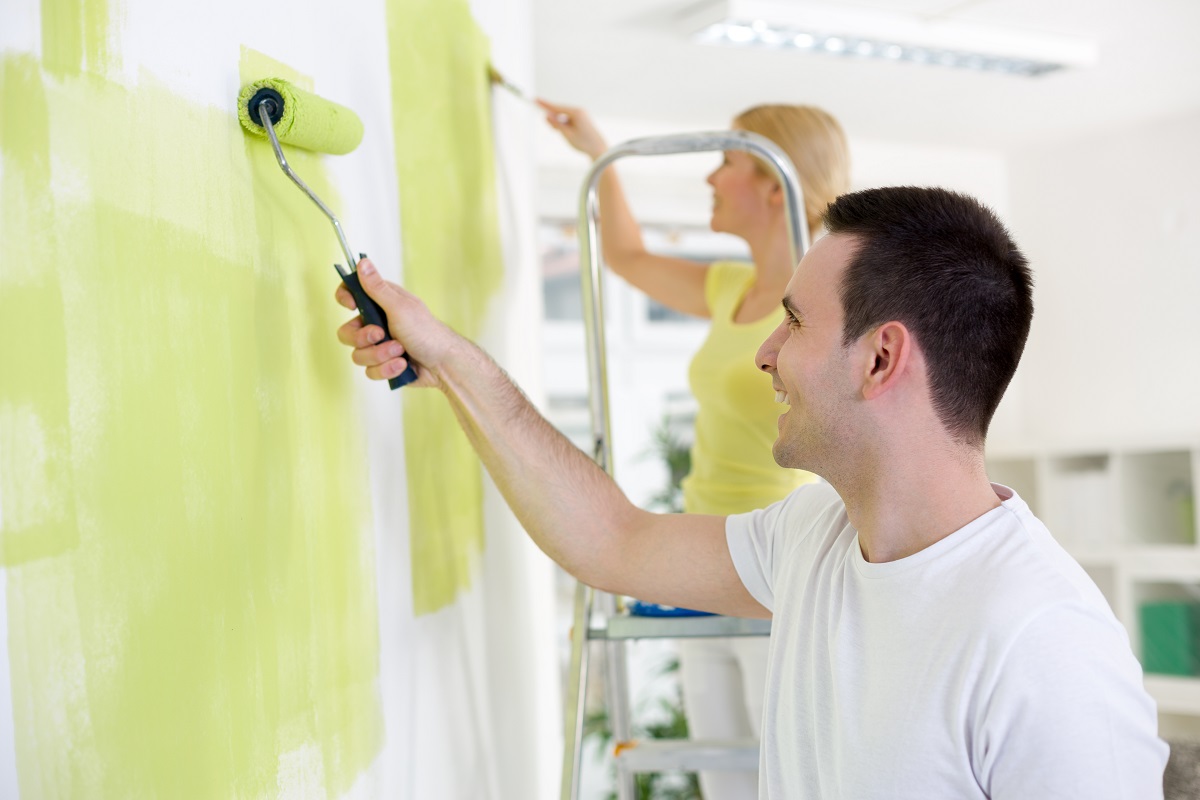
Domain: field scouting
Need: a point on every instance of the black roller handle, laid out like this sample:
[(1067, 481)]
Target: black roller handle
[(372, 314)]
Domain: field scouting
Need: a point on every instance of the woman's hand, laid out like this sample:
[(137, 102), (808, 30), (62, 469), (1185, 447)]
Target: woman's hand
[(576, 127)]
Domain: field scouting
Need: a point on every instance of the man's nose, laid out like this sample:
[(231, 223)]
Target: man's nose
[(765, 358)]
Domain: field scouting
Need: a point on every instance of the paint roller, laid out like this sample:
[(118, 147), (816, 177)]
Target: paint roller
[(281, 112)]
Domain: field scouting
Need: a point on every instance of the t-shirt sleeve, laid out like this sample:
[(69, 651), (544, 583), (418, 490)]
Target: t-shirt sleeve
[(764, 542), (1068, 716), (752, 545)]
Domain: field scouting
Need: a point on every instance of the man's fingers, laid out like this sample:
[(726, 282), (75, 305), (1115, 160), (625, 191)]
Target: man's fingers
[(343, 296), (355, 334), (380, 357), (369, 335), (387, 370), (375, 355), (348, 334)]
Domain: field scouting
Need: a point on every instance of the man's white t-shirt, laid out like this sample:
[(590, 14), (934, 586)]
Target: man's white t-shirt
[(987, 665)]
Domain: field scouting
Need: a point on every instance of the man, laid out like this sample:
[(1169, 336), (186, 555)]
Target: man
[(929, 638)]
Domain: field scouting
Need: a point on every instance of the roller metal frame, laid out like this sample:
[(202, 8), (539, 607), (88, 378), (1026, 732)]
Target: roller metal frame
[(592, 280), (265, 109)]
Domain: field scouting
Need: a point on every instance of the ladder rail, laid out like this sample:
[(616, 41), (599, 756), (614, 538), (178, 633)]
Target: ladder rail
[(576, 692), (592, 289), (620, 711)]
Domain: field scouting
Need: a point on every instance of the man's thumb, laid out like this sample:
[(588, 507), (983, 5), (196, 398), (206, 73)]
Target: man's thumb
[(374, 284)]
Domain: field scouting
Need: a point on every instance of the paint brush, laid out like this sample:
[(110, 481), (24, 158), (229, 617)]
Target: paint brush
[(499, 80)]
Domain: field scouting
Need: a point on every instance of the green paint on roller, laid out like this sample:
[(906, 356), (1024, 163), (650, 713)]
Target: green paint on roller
[(306, 120), (452, 259), (190, 572)]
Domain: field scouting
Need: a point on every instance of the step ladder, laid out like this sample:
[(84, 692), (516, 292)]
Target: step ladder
[(599, 617)]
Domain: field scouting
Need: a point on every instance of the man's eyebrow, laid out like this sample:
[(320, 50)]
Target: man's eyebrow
[(792, 311)]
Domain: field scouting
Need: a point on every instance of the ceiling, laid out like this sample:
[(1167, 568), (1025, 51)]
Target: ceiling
[(632, 59)]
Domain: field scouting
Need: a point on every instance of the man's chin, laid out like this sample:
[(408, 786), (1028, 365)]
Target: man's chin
[(788, 457), (780, 454)]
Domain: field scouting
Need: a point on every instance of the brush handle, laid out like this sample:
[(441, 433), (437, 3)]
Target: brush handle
[(372, 314)]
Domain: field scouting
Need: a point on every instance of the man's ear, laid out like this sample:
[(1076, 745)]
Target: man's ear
[(887, 352)]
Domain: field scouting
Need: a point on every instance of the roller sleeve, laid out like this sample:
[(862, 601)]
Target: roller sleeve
[(306, 120)]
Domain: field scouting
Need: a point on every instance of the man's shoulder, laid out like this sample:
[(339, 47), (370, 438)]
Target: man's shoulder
[(1018, 573), (804, 506), (810, 512), (812, 500)]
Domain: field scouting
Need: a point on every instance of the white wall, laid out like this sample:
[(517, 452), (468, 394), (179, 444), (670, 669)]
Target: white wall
[(470, 699), (517, 597), (1111, 224)]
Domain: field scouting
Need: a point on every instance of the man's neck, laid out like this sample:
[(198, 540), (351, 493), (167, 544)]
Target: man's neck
[(902, 507)]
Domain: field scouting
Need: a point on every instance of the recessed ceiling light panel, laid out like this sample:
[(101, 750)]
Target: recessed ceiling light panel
[(867, 34)]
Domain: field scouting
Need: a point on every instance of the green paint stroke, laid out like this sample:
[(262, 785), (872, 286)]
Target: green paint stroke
[(37, 507), (452, 259), (190, 579), (75, 36)]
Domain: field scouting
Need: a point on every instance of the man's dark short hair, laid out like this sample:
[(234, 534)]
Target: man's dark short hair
[(942, 264)]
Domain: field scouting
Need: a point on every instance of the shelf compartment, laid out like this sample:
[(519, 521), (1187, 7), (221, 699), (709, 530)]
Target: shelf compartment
[(1158, 497), (1080, 500), (1174, 694), (1165, 562)]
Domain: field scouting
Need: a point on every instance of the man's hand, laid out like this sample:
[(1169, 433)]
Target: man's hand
[(416, 333)]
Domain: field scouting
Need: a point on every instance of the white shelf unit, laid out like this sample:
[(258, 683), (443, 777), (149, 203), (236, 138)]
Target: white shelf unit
[(1127, 513)]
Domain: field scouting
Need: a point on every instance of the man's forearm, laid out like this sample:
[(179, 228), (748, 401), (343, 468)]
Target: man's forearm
[(574, 511), (568, 505)]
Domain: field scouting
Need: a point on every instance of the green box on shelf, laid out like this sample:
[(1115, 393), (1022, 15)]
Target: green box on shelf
[(1171, 637)]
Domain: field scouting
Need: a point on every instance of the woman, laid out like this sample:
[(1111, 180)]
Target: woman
[(733, 470)]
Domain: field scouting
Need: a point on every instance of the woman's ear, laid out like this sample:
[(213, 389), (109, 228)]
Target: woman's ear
[(775, 194)]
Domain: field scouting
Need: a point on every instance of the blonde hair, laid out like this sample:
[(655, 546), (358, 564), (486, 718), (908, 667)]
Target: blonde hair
[(815, 143)]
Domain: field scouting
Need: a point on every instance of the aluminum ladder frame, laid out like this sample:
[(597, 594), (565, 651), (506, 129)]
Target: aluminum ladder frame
[(649, 756)]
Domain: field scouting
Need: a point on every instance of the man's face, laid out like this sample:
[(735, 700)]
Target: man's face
[(811, 370)]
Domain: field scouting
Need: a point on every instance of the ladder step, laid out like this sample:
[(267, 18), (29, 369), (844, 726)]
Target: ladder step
[(684, 755), (627, 626)]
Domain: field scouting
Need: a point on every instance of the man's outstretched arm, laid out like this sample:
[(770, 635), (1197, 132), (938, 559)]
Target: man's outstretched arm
[(574, 512)]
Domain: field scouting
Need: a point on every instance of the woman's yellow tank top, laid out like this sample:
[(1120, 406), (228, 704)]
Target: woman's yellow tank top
[(732, 467)]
